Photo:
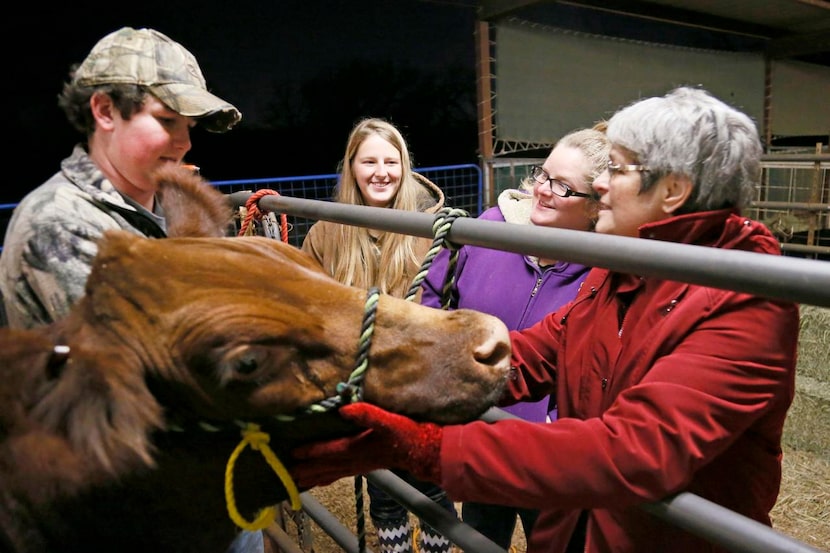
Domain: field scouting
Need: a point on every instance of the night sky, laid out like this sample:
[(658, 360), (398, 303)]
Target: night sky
[(301, 71)]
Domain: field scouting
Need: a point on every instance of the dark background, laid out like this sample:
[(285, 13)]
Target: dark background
[(301, 71)]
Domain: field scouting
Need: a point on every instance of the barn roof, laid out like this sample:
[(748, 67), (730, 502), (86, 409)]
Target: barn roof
[(784, 29)]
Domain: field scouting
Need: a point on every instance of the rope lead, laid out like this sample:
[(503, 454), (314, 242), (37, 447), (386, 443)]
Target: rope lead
[(258, 440), (441, 226)]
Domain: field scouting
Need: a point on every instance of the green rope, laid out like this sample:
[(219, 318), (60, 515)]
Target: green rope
[(350, 391), (441, 226), (355, 383)]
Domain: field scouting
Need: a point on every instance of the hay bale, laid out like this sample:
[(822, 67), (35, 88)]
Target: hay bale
[(811, 406), (803, 507), (814, 343)]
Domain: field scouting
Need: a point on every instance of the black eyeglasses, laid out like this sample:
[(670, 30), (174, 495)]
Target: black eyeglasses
[(556, 186)]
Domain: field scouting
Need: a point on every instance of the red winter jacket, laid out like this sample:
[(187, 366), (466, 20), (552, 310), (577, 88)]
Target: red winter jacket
[(662, 387)]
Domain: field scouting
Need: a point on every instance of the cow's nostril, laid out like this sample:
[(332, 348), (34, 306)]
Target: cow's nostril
[(495, 349)]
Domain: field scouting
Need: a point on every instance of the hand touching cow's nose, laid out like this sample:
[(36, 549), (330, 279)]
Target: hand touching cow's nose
[(389, 441)]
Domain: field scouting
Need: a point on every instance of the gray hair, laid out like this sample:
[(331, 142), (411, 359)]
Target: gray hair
[(691, 133)]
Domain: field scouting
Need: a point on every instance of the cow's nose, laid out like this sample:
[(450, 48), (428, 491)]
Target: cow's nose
[(494, 350)]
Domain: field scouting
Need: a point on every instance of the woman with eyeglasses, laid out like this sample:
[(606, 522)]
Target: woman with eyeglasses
[(662, 386), (522, 289)]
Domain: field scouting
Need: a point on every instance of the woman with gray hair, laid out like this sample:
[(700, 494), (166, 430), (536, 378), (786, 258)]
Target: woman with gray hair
[(662, 386)]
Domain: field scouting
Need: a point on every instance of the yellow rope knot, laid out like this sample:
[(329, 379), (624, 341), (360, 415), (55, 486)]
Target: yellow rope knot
[(258, 440)]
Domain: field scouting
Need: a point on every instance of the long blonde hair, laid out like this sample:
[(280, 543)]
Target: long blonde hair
[(388, 262)]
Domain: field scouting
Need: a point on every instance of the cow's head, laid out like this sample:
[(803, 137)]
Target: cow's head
[(252, 327), (246, 328), (182, 331)]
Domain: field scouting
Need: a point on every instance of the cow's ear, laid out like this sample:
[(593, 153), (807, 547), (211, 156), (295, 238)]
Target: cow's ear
[(192, 206)]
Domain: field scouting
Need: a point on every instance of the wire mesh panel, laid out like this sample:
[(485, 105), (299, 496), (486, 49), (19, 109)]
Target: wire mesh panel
[(794, 203)]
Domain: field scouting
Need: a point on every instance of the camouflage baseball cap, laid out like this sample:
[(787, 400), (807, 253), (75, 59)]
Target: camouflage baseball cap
[(149, 58)]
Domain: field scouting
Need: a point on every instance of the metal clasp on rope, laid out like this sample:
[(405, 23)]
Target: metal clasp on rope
[(265, 218)]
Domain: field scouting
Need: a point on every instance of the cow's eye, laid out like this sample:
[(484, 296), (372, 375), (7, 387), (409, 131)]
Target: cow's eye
[(247, 364), (241, 363)]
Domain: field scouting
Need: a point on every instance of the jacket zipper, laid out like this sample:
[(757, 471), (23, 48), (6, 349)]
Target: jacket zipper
[(622, 323), (536, 286)]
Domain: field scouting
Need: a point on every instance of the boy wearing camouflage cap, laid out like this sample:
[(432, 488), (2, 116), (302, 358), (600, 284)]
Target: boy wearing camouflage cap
[(135, 99)]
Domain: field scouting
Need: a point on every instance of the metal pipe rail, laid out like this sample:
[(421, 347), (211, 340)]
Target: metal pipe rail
[(284, 542), (796, 206), (433, 514), (815, 158), (770, 276), (804, 248), (708, 520), (461, 534), (339, 533)]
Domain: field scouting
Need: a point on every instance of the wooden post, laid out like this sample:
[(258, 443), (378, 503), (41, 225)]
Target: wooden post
[(484, 109)]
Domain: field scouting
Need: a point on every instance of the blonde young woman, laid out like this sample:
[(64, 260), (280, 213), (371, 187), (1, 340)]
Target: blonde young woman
[(376, 171)]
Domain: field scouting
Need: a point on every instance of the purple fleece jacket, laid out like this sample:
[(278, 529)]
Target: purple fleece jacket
[(510, 286)]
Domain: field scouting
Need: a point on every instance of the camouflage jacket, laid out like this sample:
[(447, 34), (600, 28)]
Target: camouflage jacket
[(51, 239)]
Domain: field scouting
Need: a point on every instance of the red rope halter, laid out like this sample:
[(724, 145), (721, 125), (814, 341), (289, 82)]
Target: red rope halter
[(253, 211)]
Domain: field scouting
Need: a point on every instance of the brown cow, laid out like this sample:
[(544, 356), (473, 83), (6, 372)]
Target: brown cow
[(176, 332)]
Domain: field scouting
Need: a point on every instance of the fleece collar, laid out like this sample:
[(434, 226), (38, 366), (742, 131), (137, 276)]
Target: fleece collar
[(515, 206)]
